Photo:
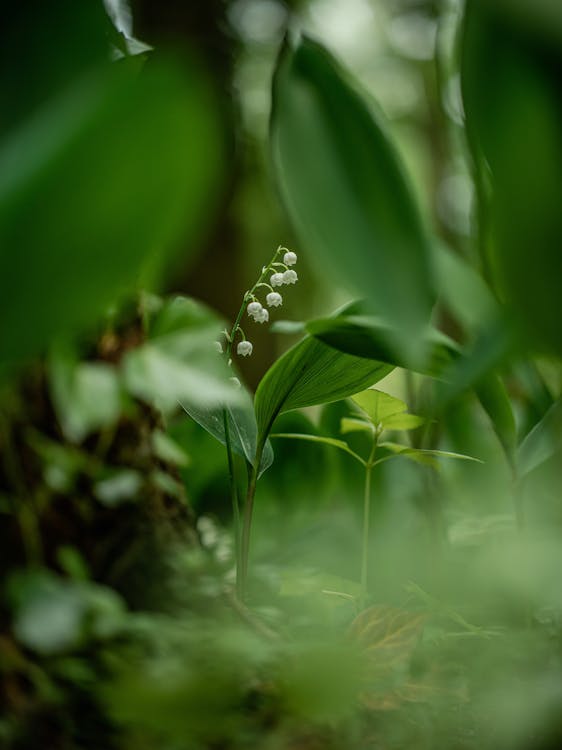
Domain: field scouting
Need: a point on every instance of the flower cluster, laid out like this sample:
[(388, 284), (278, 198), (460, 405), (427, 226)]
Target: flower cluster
[(279, 273)]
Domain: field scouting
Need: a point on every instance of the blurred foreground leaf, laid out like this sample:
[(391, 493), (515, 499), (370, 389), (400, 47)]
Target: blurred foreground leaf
[(96, 186), (543, 442), (179, 361), (346, 192), (87, 396), (367, 336), (52, 615), (511, 72)]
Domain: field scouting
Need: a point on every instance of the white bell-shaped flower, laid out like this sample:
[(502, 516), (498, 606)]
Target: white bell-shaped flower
[(290, 277), (290, 258), (244, 348), (235, 382), (254, 308), (262, 316), (218, 346), (276, 279), (274, 299)]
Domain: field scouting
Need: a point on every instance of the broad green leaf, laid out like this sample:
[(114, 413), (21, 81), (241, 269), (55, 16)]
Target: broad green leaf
[(87, 396), (459, 369), (95, 189), (366, 336), (346, 192), (402, 422), (474, 369), (543, 442), (242, 427), (341, 444), (64, 40), (511, 71), (378, 405), (463, 290), (421, 455), (495, 401), (179, 361), (349, 424), (311, 373), (288, 327)]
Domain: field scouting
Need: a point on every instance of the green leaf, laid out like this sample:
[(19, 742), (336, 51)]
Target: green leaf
[(495, 400), (289, 327), (87, 396), (242, 427), (421, 455), (341, 444), (474, 369), (543, 441), (179, 361), (355, 425), (95, 189), (346, 192), (460, 370), (463, 290), (511, 71), (311, 373), (366, 336), (378, 405), (53, 615), (402, 422)]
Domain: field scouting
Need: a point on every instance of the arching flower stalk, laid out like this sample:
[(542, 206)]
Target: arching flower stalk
[(279, 274)]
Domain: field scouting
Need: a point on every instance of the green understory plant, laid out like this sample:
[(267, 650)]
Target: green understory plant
[(377, 413), (308, 374)]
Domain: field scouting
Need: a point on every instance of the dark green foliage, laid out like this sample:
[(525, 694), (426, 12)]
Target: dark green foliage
[(346, 192)]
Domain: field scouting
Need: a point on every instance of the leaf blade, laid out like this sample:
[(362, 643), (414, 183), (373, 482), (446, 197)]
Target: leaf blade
[(345, 191)]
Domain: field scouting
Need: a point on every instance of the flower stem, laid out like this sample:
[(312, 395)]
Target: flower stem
[(233, 488), (247, 298), (366, 520), (242, 570)]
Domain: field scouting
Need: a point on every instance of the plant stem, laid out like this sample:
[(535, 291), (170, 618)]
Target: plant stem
[(242, 571), (247, 297), (242, 541), (366, 520), (233, 491), (365, 551)]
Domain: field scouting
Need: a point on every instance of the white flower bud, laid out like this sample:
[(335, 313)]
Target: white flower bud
[(244, 348), (262, 317), (290, 258), (235, 382), (276, 279), (290, 277), (274, 299), (218, 346), (254, 308)]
